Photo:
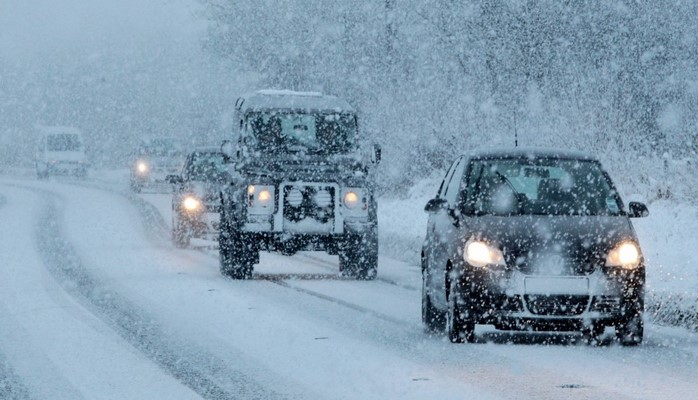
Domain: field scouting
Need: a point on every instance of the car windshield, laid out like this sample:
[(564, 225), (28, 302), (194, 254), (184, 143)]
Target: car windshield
[(540, 187), (307, 132), (206, 167), (63, 142), (160, 148)]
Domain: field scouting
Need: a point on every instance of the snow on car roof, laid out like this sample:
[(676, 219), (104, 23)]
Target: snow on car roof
[(531, 152), (207, 149), (53, 130), (291, 100)]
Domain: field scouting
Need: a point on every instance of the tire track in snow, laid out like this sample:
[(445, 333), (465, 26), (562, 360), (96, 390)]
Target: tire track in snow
[(11, 387), (197, 369)]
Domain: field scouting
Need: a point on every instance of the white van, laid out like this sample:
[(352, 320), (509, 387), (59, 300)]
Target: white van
[(61, 151)]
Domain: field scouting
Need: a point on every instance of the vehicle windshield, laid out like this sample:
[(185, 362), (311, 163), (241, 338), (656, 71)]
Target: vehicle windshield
[(303, 132), (63, 142), (160, 148), (206, 167), (540, 187)]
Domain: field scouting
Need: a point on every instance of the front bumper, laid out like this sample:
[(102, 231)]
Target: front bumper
[(513, 300), (203, 225)]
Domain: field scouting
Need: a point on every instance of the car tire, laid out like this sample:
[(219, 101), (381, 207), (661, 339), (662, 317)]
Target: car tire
[(460, 326), (236, 255), (630, 331), (180, 234), (434, 320), (136, 187), (358, 257)]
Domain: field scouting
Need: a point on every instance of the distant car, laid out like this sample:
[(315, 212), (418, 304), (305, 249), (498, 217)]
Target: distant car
[(60, 151), (196, 196), (153, 160), (532, 239)]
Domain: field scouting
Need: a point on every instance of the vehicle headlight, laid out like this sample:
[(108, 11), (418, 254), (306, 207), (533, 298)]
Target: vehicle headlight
[(260, 199), (142, 167), (351, 199), (191, 203), (480, 254), (625, 255), (355, 202)]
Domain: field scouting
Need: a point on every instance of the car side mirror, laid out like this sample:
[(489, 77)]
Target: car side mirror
[(228, 150), (376, 155), (174, 179), (637, 210), (435, 205)]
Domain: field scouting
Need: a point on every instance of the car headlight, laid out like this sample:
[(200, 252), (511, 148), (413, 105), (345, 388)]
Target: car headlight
[(355, 202), (142, 167), (480, 254), (260, 199), (625, 255), (191, 203), (351, 199)]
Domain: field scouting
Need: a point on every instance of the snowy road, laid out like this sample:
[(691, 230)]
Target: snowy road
[(95, 303)]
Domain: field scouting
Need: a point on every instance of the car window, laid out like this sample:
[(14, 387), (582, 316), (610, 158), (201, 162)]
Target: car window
[(540, 187), (205, 167), (447, 178), (453, 186)]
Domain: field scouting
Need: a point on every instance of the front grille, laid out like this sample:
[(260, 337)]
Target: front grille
[(558, 305), (605, 304), (575, 265), (314, 202)]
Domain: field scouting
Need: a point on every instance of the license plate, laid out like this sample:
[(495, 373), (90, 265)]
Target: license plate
[(552, 285)]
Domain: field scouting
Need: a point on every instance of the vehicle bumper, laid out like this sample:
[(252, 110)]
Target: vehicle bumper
[(205, 225), (262, 234), (513, 300)]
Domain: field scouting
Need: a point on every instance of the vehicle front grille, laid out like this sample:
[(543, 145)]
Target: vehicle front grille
[(304, 201), (577, 265), (557, 305)]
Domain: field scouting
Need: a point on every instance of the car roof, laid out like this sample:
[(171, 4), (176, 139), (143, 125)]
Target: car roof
[(530, 153), (207, 149), (59, 130), (291, 100)]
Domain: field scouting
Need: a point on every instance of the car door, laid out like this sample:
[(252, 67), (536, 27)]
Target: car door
[(441, 225)]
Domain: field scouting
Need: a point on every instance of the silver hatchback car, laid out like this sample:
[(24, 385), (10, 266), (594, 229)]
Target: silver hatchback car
[(532, 239)]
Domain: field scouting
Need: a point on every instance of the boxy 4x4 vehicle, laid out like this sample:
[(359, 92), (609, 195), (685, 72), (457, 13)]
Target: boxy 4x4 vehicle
[(60, 151), (299, 180)]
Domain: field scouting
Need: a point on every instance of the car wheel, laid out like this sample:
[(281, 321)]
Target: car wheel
[(235, 255), (136, 187), (180, 234), (459, 324), (359, 257), (433, 319), (630, 331)]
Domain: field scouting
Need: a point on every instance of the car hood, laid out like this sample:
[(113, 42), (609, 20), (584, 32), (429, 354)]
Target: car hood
[(65, 156), (553, 244), (209, 191)]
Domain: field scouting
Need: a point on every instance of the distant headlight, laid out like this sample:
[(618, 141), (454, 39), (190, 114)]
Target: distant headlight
[(191, 203), (625, 255), (142, 167), (481, 254)]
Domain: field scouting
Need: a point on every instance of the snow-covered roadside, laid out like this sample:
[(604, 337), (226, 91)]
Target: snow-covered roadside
[(667, 238)]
